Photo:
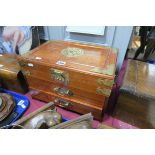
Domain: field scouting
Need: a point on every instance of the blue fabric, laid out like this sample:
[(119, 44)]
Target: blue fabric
[(22, 103), (151, 61)]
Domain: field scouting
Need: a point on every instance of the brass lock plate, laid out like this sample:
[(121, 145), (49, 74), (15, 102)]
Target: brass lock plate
[(60, 76)]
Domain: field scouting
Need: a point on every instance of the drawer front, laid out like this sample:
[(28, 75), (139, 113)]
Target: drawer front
[(79, 107), (72, 105), (63, 90), (86, 82)]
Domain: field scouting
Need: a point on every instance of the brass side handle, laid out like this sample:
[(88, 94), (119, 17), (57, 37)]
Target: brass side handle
[(63, 91)]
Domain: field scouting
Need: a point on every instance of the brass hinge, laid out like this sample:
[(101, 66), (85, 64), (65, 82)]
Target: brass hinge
[(26, 73), (22, 63), (105, 82), (103, 91), (109, 70)]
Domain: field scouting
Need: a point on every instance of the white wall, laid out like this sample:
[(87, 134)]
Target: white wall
[(121, 40)]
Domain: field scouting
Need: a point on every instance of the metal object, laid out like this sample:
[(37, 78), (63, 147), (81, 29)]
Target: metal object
[(60, 76), (22, 63), (108, 71), (105, 82), (26, 73), (72, 52), (62, 103), (103, 91), (63, 91), (115, 50), (1, 102), (8, 104), (82, 122)]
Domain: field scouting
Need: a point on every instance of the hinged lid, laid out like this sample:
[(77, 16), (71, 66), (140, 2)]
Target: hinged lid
[(86, 58)]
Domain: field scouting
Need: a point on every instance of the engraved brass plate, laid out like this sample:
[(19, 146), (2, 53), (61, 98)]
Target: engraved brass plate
[(60, 76), (72, 52), (108, 71), (105, 82), (63, 91), (103, 91)]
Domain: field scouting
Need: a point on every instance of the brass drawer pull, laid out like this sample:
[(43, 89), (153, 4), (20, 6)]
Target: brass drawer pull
[(63, 91), (62, 103)]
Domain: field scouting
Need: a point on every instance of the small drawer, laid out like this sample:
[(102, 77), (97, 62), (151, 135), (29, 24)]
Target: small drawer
[(82, 107), (66, 91)]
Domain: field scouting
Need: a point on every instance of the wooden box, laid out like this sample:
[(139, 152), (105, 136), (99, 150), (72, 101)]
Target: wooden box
[(11, 75), (136, 102), (75, 76)]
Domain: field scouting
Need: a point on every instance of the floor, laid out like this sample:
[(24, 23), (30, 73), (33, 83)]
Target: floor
[(107, 120)]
